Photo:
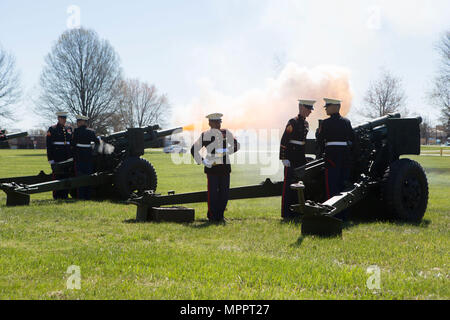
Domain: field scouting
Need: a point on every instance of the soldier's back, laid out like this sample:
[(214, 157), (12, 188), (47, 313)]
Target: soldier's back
[(82, 142), (337, 135), (335, 128)]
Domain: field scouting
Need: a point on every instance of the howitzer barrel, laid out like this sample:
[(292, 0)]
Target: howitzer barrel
[(137, 139), (376, 122), (13, 136), (147, 133), (123, 134), (151, 138), (168, 132)]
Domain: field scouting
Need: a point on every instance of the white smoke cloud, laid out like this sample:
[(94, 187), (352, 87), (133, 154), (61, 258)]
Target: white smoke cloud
[(274, 104), (105, 148)]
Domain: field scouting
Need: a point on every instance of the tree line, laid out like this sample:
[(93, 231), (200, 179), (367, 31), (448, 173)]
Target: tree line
[(82, 75), (386, 95)]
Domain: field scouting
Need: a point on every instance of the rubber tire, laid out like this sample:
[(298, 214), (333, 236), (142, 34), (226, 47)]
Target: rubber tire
[(405, 191), (128, 171)]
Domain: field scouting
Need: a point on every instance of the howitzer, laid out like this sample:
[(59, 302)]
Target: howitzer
[(381, 183), (381, 186), (119, 169)]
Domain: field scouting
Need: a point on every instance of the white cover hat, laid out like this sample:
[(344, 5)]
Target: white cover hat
[(308, 103), (215, 116), (81, 117), (331, 101)]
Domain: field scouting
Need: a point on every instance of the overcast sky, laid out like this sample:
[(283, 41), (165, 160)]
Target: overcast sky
[(237, 46)]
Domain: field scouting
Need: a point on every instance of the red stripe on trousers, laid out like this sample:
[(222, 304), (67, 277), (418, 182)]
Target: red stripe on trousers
[(331, 162)]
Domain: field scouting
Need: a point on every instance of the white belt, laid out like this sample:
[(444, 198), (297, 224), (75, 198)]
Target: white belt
[(300, 143), (336, 143), (60, 143), (83, 145), (222, 150)]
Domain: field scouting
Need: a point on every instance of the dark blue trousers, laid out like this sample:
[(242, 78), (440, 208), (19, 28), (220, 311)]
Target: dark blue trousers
[(61, 194), (84, 168), (334, 180), (335, 177), (289, 196), (218, 189)]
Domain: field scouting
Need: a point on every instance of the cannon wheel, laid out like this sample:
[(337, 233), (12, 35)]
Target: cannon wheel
[(135, 175), (405, 190)]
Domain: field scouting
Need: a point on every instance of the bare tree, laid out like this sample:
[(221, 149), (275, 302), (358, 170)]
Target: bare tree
[(384, 96), (440, 94), (141, 105), (81, 76), (9, 84), (426, 130), (116, 123), (444, 50)]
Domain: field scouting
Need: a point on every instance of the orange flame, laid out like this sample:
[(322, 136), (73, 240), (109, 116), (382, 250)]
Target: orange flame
[(200, 125), (189, 127)]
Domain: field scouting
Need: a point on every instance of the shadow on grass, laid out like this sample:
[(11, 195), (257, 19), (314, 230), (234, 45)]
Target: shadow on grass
[(44, 202), (367, 221), (52, 202), (298, 243), (71, 200), (249, 218), (48, 202), (205, 223), (294, 221), (131, 221), (421, 224), (33, 155), (189, 224), (353, 223), (437, 171)]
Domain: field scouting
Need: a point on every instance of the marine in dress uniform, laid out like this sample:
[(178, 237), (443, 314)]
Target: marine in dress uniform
[(59, 153), (292, 154), (219, 144), (83, 142), (335, 136)]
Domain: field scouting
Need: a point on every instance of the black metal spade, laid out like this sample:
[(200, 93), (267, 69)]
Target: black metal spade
[(321, 225)]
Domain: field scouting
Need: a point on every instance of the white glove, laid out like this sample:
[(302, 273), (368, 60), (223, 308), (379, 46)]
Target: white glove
[(286, 163), (51, 162), (207, 163)]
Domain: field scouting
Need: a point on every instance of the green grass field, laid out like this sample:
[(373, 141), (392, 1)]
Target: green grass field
[(253, 256)]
